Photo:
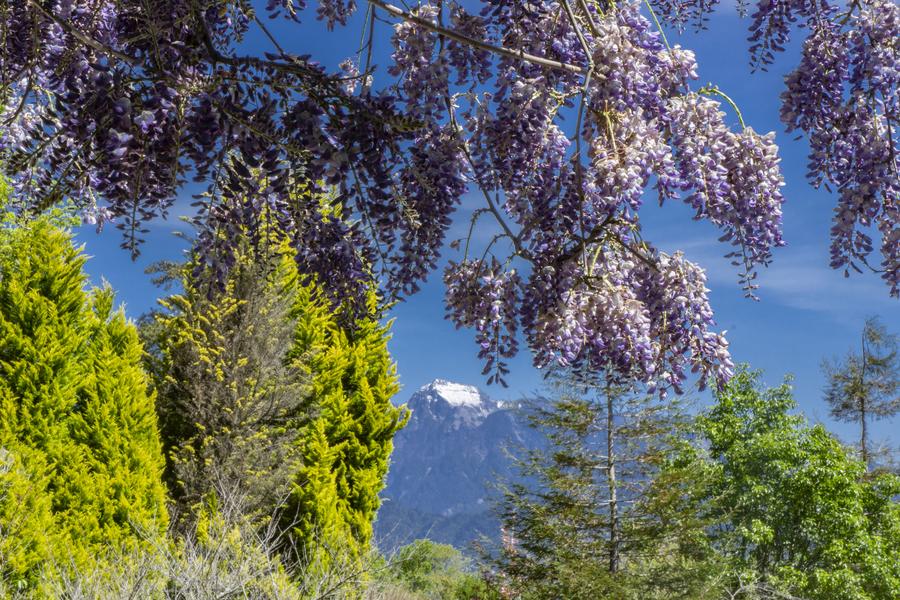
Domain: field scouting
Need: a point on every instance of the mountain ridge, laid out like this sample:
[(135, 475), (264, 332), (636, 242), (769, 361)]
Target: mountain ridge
[(445, 464)]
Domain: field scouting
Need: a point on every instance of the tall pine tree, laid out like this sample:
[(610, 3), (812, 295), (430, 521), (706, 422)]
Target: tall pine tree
[(77, 425), (574, 524), (866, 385)]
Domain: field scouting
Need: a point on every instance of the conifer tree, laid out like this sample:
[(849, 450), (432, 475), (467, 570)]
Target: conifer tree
[(27, 533), (866, 385), (574, 522), (269, 388), (231, 399), (115, 423), (76, 418), (347, 445)]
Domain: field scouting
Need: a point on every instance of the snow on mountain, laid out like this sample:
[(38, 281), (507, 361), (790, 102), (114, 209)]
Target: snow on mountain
[(456, 394), (449, 405), (444, 464)]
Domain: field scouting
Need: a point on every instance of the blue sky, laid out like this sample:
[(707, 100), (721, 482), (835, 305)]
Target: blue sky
[(807, 311)]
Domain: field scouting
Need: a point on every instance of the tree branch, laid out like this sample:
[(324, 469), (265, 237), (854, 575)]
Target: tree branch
[(453, 35), (81, 37)]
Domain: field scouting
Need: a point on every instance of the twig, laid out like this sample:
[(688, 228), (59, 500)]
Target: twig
[(712, 90), (453, 35), (84, 39)]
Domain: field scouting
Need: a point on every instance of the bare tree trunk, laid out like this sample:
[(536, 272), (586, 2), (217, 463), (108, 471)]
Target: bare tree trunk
[(863, 441), (611, 481)]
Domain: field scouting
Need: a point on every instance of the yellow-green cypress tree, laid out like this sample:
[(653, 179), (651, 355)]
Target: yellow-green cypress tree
[(75, 413), (116, 425), (347, 446), (27, 535), (318, 529)]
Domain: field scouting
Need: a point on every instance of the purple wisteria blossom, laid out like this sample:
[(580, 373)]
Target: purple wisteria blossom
[(732, 179), (843, 95), (557, 117), (592, 293), (486, 297)]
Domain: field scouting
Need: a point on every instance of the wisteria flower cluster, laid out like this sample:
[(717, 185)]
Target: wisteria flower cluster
[(629, 316), (589, 292), (732, 179), (115, 104), (558, 115), (486, 297), (844, 96)]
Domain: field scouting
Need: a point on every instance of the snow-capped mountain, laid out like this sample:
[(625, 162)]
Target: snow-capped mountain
[(445, 464), (449, 404), (454, 394)]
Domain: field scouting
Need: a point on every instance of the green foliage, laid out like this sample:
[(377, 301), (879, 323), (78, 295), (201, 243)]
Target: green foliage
[(555, 519), (572, 526), (27, 532), (77, 424), (346, 446), (267, 389), (432, 571), (866, 385), (683, 564), (231, 400), (754, 503), (785, 504)]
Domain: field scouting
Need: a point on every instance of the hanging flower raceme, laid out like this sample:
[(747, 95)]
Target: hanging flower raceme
[(486, 297), (849, 66), (637, 316), (815, 90), (844, 96), (429, 188), (556, 116), (424, 72), (732, 179)]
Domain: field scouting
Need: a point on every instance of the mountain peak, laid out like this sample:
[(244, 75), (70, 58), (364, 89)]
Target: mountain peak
[(451, 404), (455, 394), (443, 461)]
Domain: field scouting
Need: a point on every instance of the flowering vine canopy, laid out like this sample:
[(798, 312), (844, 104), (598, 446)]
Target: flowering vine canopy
[(562, 116)]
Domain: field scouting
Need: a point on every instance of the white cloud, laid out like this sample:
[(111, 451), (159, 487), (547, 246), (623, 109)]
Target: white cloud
[(799, 277)]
